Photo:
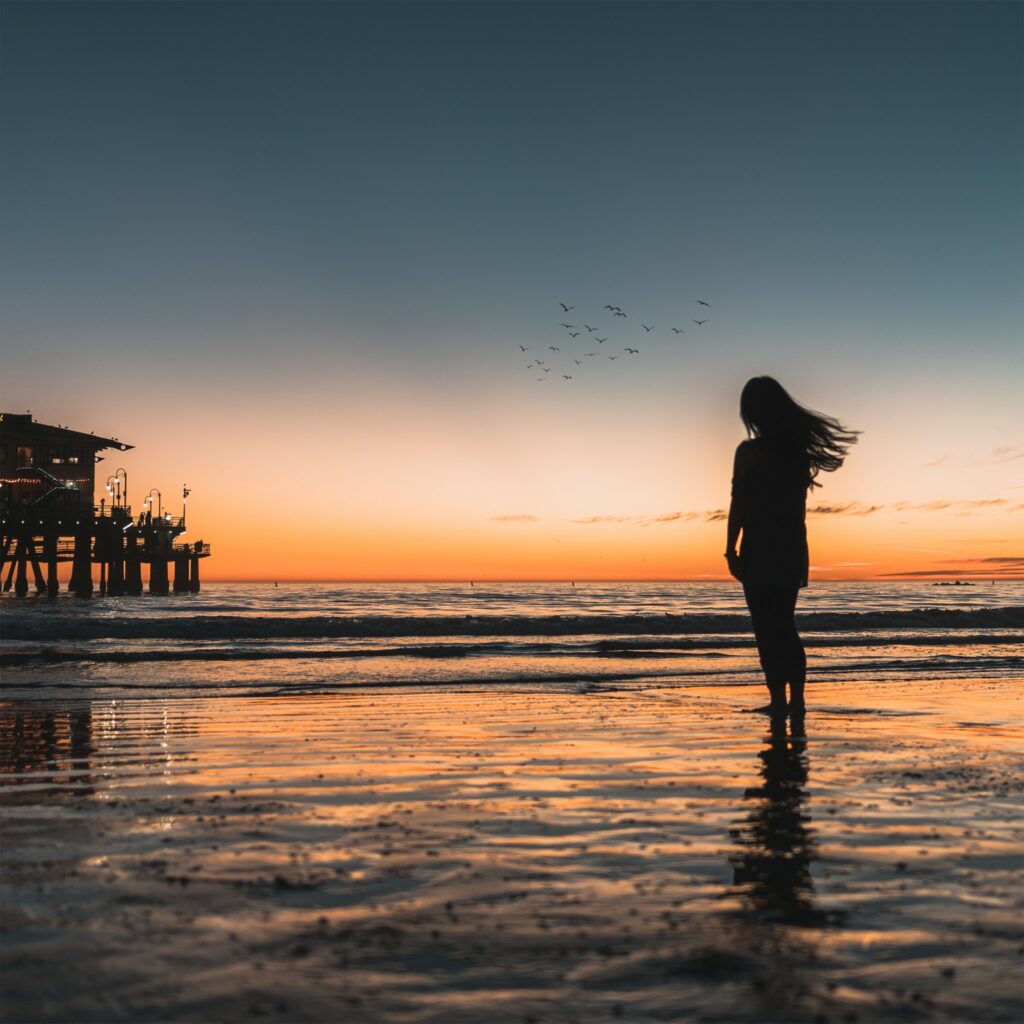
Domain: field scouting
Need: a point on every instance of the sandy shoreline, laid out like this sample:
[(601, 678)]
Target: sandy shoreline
[(572, 854)]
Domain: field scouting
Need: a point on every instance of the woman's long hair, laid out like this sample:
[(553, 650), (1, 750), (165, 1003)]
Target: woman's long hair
[(768, 411)]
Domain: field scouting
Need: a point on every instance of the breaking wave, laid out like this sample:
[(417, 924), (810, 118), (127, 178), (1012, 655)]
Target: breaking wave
[(267, 627)]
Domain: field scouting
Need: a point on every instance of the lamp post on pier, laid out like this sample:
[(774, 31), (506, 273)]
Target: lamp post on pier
[(114, 489), (159, 501)]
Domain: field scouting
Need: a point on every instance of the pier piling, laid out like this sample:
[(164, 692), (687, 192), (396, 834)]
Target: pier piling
[(50, 555), (20, 576), (132, 569), (181, 580), (81, 567), (158, 574)]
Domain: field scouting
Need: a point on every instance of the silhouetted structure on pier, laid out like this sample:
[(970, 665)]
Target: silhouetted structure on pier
[(48, 515)]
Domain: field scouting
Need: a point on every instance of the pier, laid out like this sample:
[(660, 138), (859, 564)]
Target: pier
[(49, 516)]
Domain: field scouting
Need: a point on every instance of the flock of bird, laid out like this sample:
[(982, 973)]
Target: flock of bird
[(574, 331)]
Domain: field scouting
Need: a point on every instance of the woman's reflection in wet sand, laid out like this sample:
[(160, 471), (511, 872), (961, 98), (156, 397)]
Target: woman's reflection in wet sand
[(776, 840)]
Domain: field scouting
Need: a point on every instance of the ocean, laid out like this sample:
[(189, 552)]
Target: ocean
[(319, 637), (510, 802)]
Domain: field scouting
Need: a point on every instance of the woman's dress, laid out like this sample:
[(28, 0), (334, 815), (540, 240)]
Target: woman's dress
[(770, 481)]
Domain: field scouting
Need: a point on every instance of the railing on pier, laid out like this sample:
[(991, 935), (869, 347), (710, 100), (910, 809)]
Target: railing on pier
[(66, 551), (190, 550), (123, 514), (112, 511)]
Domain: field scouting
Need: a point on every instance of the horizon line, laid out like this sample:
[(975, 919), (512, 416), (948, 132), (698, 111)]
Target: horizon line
[(909, 577)]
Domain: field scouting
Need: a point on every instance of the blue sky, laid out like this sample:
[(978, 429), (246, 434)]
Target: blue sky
[(362, 209)]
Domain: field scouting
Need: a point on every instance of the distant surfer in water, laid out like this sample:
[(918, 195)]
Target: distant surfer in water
[(787, 447)]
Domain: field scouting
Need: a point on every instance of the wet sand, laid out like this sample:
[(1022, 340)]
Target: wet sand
[(585, 853)]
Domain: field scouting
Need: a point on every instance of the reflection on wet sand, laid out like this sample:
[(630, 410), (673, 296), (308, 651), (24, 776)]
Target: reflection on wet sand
[(55, 752), (47, 750), (457, 856), (776, 841)]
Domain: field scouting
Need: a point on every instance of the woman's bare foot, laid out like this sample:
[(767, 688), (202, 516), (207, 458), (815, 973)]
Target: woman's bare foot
[(796, 701)]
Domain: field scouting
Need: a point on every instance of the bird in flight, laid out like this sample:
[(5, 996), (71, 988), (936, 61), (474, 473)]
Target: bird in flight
[(566, 376), (587, 355), (572, 327), (590, 329), (601, 340), (565, 308), (619, 313), (578, 362), (635, 351), (547, 369), (614, 309), (575, 334), (703, 303), (700, 322), (554, 348), (524, 347), (646, 328), (613, 357), (678, 330)]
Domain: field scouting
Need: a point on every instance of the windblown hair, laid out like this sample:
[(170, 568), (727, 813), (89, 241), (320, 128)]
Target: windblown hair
[(768, 411)]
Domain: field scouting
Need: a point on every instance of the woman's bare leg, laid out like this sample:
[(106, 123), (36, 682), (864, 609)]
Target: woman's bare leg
[(767, 606)]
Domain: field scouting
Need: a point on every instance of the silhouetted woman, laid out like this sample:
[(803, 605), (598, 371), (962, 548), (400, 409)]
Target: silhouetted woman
[(787, 448)]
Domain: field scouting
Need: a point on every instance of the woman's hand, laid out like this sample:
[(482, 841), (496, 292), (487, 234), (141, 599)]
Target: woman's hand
[(735, 568)]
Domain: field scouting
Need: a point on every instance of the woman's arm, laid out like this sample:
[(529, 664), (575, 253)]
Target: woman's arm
[(732, 534), (736, 510)]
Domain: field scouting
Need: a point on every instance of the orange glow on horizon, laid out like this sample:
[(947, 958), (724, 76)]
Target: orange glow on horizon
[(501, 494)]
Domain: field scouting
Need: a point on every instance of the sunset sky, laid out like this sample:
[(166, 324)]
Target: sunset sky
[(290, 252)]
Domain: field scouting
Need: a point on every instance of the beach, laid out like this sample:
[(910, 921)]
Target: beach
[(436, 440), (597, 848)]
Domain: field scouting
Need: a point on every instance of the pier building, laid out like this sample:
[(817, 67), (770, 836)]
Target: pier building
[(49, 515)]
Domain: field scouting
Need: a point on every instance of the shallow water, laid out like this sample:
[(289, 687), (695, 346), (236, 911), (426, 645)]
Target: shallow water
[(437, 803), (326, 636), (550, 853)]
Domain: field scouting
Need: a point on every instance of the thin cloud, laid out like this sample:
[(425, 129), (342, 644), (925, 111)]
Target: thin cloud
[(513, 519), (991, 560), (844, 508), (671, 517), (849, 508), (668, 517), (1009, 566), (660, 520), (859, 508), (942, 504), (938, 462), (929, 506), (983, 503), (987, 540), (1011, 572), (1007, 454)]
